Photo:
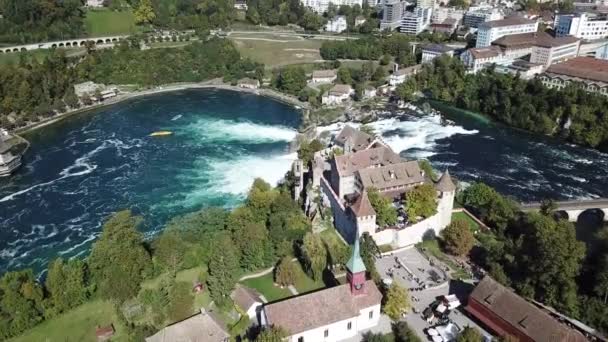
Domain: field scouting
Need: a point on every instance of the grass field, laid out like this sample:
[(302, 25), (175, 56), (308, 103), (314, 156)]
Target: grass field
[(276, 50), (265, 286), (76, 325), (432, 247), (106, 22), (474, 226)]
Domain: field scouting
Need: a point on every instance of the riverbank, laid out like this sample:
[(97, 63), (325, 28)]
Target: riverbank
[(215, 84)]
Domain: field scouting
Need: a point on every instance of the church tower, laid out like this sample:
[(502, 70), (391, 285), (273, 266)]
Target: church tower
[(356, 271)]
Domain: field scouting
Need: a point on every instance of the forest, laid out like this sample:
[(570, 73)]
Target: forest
[(540, 256), (32, 90), (572, 113), (40, 20)]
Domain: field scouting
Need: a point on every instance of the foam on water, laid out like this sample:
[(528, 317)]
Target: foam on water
[(219, 130)]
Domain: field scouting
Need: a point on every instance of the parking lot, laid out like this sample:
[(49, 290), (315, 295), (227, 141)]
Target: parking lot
[(426, 283)]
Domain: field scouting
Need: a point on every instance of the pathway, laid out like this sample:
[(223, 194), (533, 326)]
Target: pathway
[(293, 290)]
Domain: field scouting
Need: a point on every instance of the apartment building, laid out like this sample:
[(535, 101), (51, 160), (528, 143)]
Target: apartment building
[(392, 13), (492, 30), (549, 50), (440, 14), (586, 26), (417, 21), (474, 17)]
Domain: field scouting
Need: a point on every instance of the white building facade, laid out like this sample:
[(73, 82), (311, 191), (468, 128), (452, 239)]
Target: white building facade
[(320, 6), (550, 53), (583, 25), (492, 30), (474, 17), (337, 24), (392, 13), (417, 21)]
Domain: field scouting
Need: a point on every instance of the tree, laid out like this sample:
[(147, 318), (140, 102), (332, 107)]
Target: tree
[(290, 79), (420, 202), (315, 255), (272, 334), (118, 260), (368, 129), (223, 269), (66, 284), (307, 150), (457, 238), (144, 14), (601, 281), (285, 274), (375, 337), (256, 249), (169, 250), (426, 166), (547, 207), (386, 214), (344, 76), (396, 301), (552, 257), (469, 334), (20, 303), (407, 89), (403, 333)]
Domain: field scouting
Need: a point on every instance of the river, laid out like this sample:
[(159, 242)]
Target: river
[(82, 169)]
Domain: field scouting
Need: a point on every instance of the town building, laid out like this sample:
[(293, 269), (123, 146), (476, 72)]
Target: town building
[(448, 26), (510, 316), (374, 165), (337, 24), (440, 14), (249, 300), (248, 83), (474, 17), (95, 3), (548, 50), (399, 75), (320, 6), (202, 327), (432, 51), (524, 69), (8, 161), (425, 3), (337, 94), (241, 5), (417, 21), (392, 13), (351, 140), (586, 26), (589, 73), (491, 30), (476, 59), (329, 315), (596, 48), (324, 76)]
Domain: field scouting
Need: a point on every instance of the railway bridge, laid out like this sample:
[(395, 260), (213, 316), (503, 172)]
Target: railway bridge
[(573, 209), (68, 43)]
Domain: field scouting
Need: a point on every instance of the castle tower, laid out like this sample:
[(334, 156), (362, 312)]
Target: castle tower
[(447, 191), (355, 274)]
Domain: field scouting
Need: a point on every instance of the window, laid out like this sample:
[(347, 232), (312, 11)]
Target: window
[(371, 314), (326, 333), (301, 339), (349, 325)]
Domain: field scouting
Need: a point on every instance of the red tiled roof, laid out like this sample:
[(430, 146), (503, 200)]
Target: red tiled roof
[(518, 313), (362, 206), (587, 68), (348, 164)]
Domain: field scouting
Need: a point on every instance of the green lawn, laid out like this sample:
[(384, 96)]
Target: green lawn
[(473, 226), (76, 325), (107, 22), (265, 286), (275, 50), (306, 284)]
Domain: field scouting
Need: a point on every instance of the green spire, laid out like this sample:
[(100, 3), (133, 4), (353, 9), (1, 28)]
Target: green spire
[(355, 263)]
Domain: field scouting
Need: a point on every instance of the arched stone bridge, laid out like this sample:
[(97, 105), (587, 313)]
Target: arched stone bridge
[(574, 209), (68, 43)]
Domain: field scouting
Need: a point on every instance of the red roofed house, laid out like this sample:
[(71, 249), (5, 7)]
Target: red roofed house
[(332, 314), (507, 314)]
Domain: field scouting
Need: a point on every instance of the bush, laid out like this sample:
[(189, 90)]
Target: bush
[(458, 238)]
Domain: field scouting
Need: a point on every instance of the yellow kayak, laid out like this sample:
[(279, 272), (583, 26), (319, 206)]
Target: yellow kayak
[(161, 133)]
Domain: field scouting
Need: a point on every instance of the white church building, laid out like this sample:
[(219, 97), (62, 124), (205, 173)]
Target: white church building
[(367, 163), (331, 314)]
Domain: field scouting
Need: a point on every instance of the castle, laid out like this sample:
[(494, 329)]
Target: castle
[(368, 162)]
